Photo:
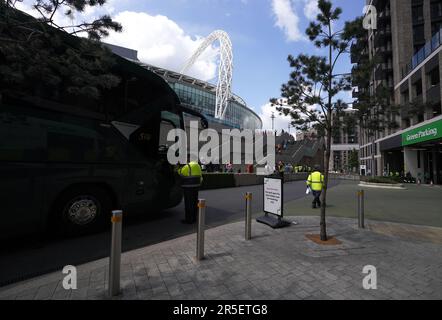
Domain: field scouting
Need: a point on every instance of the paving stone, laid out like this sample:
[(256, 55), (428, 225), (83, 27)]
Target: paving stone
[(262, 268)]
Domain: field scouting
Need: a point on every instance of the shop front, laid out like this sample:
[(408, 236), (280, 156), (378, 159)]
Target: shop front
[(416, 152)]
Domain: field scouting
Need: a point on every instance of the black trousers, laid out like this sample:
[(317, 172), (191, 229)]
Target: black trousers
[(316, 198), (190, 203)]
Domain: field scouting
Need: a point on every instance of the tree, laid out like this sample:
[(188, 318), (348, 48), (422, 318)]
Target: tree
[(353, 160), (47, 10), (39, 58), (310, 94)]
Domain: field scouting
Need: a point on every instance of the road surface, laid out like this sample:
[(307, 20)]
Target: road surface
[(35, 257)]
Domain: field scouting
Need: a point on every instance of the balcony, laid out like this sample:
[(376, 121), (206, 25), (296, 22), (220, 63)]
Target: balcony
[(384, 18), (383, 71), (384, 51), (383, 36), (358, 51), (379, 4), (423, 53)]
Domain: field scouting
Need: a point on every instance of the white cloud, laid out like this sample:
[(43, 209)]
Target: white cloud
[(311, 9), (287, 19), (281, 121), (159, 40)]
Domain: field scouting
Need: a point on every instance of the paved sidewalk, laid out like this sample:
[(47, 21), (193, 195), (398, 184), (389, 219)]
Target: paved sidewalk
[(276, 264)]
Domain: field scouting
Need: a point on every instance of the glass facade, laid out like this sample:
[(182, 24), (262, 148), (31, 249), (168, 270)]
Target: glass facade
[(423, 53), (204, 101)]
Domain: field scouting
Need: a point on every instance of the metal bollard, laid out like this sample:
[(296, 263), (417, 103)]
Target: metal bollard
[(201, 229), (361, 209), (115, 254), (248, 234)]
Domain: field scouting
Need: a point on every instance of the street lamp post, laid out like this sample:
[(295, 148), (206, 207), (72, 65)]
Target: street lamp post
[(273, 121)]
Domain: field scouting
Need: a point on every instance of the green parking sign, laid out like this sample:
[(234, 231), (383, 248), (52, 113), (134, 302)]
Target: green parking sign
[(425, 133)]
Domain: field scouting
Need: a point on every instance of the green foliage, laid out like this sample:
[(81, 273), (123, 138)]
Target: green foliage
[(353, 159), (309, 95), (39, 58), (384, 180)]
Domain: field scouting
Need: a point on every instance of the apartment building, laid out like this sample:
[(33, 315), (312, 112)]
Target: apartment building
[(344, 143), (406, 48)]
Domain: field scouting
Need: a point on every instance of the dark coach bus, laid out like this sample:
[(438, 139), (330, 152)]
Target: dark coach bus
[(65, 165)]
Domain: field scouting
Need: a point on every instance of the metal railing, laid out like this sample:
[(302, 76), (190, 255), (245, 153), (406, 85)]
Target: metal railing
[(423, 53)]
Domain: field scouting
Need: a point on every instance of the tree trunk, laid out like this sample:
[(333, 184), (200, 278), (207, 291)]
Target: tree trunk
[(324, 190), (329, 128)]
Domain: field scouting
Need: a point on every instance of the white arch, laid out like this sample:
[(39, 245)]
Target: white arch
[(225, 69)]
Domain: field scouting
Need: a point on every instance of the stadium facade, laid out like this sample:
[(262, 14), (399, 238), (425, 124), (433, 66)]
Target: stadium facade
[(200, 96)]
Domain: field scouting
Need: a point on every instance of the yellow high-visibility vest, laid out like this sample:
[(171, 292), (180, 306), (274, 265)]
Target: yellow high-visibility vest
[(316, 181), (192, 169)]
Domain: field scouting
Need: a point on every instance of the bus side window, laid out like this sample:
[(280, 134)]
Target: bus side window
[(165, 128), (71, 139), (22, 138)]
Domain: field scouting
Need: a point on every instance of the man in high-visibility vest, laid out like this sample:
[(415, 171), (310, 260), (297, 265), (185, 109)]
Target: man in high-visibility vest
[(191, 180), (315, 182)]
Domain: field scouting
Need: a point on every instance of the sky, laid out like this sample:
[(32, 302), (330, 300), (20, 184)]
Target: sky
[(263, 33)]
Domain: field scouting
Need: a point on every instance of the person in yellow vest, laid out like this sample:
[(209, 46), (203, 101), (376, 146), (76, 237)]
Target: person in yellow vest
[(191, 180), (315, 182)]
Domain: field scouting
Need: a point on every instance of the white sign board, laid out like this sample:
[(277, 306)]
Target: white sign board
[(273, 196)]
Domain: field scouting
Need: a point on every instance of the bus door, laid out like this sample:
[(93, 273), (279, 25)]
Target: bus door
[(140, 182), (169, 191)]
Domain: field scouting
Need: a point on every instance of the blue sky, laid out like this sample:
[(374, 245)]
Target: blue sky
[(263, 33)]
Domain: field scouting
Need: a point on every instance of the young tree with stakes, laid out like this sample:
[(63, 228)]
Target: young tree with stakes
[(309, 97)]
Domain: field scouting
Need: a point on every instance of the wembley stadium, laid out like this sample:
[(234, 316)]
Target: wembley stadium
[(201, 96), (221, 107)]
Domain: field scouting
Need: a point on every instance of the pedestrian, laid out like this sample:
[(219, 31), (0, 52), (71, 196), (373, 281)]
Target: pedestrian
[(191, 180), (210, 167), (315, 182), (281, 169)]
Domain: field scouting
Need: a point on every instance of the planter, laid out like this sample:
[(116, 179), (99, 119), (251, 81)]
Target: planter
[(218, 181), (397, 186)]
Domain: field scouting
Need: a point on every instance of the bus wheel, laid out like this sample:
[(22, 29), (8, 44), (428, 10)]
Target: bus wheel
[(82, 210)]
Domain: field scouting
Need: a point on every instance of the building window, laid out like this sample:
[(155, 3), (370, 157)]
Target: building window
[(436, 10), (417, 88), (405, 97), (418, 36), (436, 110), (434, 77), (418, 14), (435, 27)]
